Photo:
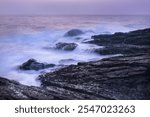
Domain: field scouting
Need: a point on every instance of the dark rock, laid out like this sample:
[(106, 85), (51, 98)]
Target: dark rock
[(139, 37), (34, 65), (123, 43), (66, 46), (122, 49), (74, 32), (124, 77), (12, 90)]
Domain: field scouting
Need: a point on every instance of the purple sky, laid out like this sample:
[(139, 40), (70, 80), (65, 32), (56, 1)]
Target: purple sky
[(75, 7)]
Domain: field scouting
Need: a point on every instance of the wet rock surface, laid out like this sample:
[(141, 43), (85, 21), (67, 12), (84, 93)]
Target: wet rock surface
[(122, 49), (123, 43), (32, 64), (123, 77), (66, 46), (126, 77), (12, 90), (139, 37)]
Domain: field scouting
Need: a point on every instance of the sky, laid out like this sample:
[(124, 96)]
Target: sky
[(96, 7)]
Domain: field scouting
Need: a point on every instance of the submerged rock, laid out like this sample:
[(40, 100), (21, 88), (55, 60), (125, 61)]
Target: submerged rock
[(67, 61), (74, 32), (32, 64), (66, 46)]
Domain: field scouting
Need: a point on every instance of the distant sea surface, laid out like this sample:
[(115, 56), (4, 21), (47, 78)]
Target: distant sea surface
[(20, 24), (26, 37)]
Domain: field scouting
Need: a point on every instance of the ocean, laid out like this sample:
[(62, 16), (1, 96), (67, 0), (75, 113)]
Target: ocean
[(26, 37)]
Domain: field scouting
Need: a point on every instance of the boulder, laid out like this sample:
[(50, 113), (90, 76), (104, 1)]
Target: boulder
[(74, 32), (66, 46), (32, 64)]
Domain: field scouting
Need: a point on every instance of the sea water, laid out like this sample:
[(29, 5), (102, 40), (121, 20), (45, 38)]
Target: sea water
[(26, 37)]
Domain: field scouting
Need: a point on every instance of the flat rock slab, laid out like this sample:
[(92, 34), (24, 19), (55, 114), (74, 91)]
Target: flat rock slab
[(125, 77)]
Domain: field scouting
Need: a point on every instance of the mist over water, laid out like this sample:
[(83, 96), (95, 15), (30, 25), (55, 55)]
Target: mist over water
[(26, 37)]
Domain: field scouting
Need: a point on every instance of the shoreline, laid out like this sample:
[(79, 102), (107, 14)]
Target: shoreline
[(123, 77)]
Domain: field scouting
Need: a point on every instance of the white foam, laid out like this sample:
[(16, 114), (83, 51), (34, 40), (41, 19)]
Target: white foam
[(18, 48)]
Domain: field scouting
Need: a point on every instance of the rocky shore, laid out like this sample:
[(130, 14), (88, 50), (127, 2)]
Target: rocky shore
[(122, 77), (123, 43)]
